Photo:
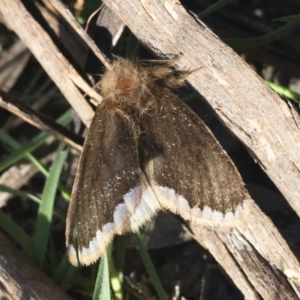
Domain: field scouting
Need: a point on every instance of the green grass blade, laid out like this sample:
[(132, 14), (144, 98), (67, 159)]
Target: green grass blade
[(292, 18), (35, 143), (219, 4), (244, 44), (285, 91), (37, 200), (23, 151), (132, 46), (30, 87), (120, 243), (63, 272), (16, 146), (67, 279), (14, 192), (16, 232), (102, 286), (116, 275), (6, 138), (46, 207), (190, 97), (150, 268)]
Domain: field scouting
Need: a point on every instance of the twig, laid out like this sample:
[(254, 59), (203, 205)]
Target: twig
[(64, 11), (39, 120)]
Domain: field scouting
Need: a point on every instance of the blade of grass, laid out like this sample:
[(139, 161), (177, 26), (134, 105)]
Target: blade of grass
[(132, 46), (150, 268), (120, 242), (35, 143), (46, 207), (7, 189), (63, 270), (285, 91), (67, 279), (23, 151), (37, 200), (6, 138), (244, 44), (291, 18), (116, 276), (219, 4), (17, 147), (102, 286), (190, 97), (25, 93), (29, 88), (16, 232)]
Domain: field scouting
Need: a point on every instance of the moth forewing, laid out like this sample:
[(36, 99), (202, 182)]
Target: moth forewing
[(146, 150)]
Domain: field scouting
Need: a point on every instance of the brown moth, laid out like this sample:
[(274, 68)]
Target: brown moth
[(145, 151)]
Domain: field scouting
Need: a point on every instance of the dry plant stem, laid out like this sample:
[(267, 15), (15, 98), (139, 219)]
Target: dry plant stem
[(12, 64), (113, 25), (55, 64), (39, 120), (21, 279), (65, 35), (65, 12), (247, 106)]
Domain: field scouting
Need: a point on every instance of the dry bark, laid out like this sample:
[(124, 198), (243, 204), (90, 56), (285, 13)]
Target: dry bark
[(21, 279)]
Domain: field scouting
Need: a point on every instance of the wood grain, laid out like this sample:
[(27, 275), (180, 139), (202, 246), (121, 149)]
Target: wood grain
[(21, 279)]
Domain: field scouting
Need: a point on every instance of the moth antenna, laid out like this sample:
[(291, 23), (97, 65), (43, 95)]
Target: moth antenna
[(178, 81)]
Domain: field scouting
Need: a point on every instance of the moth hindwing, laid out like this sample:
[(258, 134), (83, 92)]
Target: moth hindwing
[(146, 150)]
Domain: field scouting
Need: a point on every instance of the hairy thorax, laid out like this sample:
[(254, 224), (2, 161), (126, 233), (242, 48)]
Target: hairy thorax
[(136, 83), (125, 83)]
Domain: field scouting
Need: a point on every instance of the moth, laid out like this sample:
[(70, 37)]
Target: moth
[(146, 150)]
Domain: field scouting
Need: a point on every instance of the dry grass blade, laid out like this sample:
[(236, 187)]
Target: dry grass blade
[(12, 63), (64, 11)]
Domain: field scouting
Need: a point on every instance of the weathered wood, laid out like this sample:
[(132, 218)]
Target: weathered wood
[(21, 279)]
